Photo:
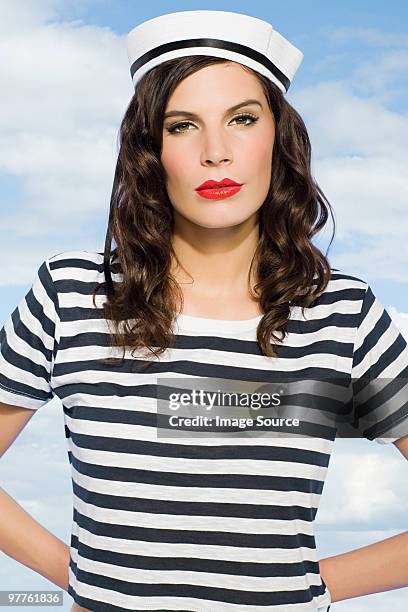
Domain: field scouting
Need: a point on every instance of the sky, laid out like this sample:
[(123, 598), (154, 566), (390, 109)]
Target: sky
[(65, 83)]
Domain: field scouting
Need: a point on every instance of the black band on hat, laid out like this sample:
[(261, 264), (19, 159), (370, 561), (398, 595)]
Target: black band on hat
[(216, 43)]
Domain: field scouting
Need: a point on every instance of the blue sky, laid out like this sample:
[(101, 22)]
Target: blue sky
[(65, 73)]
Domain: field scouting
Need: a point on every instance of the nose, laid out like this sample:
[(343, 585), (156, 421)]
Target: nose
[(215, 148)]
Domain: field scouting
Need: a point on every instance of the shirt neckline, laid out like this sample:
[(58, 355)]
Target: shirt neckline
[(205, 324)]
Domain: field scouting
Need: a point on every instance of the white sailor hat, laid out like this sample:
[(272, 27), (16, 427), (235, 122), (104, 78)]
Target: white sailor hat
[(234, 36)]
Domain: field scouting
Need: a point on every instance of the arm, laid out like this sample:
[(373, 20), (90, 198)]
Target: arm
[(378, 567), (21, 536), (382, 566), (26, 541)]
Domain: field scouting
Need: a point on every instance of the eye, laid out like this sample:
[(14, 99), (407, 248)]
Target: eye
[(174, 129), (177, 127), (246, 116)]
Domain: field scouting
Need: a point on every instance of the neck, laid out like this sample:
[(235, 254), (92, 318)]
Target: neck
[(214, 261)]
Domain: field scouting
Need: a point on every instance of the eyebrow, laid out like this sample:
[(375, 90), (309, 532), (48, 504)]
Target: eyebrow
[(229, 110)]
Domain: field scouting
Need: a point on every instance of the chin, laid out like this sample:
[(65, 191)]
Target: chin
[(217, 223)]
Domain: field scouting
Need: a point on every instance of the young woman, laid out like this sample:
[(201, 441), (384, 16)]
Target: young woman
[(205, 283)]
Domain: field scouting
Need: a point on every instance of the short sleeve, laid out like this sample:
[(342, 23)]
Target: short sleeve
[(380, 374), (29, 341)]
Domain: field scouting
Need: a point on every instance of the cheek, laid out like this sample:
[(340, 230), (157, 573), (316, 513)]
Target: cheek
[(258, 153), (175, 161), (170, 163)]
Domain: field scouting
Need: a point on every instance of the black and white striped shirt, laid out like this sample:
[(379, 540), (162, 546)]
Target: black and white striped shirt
[(204, 525)]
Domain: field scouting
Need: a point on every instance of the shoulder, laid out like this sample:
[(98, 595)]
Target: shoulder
[(76, 259), (75, 276), (76, 270), (76, 264), (343, 287), (341, 302), (341, 279)]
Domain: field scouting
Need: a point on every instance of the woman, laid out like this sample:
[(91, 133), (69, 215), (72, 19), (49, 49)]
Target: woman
[(207, 283)]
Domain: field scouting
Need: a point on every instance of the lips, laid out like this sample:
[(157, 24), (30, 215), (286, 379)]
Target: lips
[(211, 184)]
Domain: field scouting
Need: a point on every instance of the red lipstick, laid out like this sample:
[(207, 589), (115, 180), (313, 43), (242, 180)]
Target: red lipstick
[(216, 190)]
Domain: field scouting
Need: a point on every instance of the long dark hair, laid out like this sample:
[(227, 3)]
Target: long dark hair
[(289, 269)]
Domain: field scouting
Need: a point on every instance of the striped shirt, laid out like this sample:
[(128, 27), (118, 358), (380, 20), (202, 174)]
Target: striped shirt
[(197, 524)]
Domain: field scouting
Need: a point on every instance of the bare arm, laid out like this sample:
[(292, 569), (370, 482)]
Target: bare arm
[(379, 567), (21, 536)]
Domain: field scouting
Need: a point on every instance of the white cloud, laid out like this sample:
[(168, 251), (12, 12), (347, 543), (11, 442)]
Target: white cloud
[(400, 318), (359, 207), (343, 124), (363, 488), (377, 259), (359, 160), (24, 16), (359, 150), (68, 86), (365, 502), (371, 36), (388, 70)]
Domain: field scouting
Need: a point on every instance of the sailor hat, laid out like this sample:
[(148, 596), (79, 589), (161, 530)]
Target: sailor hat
[(234, 36)]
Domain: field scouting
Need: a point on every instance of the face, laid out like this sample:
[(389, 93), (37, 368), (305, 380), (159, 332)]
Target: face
[(208, 140)]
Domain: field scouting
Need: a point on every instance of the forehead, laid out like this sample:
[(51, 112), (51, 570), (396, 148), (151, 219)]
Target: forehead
[(218, 83)]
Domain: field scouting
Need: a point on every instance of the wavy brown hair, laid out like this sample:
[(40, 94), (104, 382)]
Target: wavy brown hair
[(289, 270)]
